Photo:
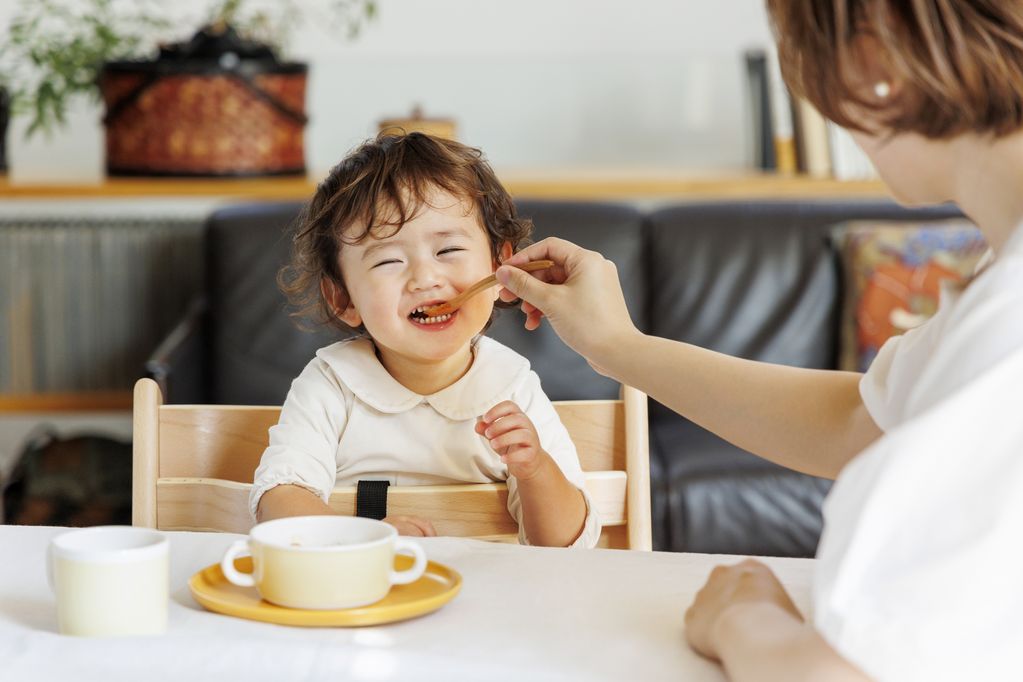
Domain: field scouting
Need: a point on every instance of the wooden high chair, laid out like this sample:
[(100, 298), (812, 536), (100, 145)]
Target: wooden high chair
[(193, 467)]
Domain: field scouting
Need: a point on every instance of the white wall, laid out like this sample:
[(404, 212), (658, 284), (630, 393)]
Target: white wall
[(535, 83)]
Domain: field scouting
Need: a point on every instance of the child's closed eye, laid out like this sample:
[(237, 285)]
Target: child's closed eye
[(386, 262), (450, 249)]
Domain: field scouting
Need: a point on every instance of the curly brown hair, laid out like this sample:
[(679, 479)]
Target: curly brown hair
[(374, 191), (960, 62)]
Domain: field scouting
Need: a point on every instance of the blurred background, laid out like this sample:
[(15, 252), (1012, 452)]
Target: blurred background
[(572, 83)]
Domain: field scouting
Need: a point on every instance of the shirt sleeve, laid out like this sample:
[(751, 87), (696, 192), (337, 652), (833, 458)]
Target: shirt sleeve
[(973, 330), (554, 439), (876, 389), (303, 443)]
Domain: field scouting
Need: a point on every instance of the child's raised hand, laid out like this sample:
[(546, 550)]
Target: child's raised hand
[(512, 435), (412, 525)]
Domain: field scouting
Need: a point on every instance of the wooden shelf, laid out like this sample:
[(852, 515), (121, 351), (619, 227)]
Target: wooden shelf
[(86, 401), (274, 189), (584, 184)]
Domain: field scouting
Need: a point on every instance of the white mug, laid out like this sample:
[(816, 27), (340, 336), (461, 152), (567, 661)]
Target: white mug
[(110, 580), (323, 562)]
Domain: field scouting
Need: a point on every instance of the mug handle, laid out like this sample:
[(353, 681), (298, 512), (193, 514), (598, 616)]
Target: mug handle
[(238, 548), (403, 546)]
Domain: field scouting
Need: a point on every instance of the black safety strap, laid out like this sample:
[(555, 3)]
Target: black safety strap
[(371, 499)]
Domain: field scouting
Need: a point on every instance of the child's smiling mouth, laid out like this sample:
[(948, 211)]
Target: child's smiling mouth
[(419, 318)]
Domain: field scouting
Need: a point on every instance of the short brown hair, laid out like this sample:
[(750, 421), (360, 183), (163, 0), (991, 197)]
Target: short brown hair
[(376, 189), (960, 62)]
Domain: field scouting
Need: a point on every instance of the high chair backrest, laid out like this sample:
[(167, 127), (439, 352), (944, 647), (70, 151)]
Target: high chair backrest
[(193, 467)]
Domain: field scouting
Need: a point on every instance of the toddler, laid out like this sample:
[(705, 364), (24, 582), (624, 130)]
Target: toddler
[(402, 223)]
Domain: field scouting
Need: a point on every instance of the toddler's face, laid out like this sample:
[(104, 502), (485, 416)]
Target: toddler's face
[(440, 252)]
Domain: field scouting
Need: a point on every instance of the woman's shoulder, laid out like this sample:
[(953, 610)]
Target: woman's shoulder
[(975, 329)]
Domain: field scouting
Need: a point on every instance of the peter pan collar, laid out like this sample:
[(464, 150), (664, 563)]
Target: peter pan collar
[(495, 372)]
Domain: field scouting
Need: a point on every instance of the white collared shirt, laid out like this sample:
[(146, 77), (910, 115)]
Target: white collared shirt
[(347, 419), (918, 571)]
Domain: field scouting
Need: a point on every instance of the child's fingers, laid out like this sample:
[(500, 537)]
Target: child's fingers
[(520, 456), (402, 526), (411, 525), (519, 438), (502, 409), (503, 425), (425, 526)]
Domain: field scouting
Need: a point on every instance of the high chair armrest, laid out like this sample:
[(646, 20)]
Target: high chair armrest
[(178, 364)]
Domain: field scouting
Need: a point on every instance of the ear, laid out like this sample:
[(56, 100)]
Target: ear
[(872, 76), (339, 302), (505, 253)]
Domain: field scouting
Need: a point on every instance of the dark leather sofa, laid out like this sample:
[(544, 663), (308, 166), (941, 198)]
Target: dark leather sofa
[(759, 280)]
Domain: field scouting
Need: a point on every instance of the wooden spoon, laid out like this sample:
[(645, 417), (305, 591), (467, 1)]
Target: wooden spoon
[(485, 283)]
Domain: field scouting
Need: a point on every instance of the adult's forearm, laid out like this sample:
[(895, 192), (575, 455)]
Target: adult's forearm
[(762, 642), (553, 510), (290, 500), (812, 421)]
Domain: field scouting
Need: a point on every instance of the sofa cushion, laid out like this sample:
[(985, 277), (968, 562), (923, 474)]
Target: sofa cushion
[(255, 350), (893, 275), (721, 499)]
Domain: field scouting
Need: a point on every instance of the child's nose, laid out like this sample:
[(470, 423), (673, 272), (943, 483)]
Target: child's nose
[(424, 276)]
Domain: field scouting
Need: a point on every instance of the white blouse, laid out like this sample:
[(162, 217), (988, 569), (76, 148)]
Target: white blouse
[(347, 419), (919, 566)]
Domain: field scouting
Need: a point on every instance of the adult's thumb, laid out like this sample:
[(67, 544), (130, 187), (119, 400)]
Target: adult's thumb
[(523, 285)]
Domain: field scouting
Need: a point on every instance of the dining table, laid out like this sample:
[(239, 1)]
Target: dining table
[(522, 613)]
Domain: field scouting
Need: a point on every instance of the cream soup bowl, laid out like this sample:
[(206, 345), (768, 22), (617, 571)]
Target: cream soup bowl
[(323, 562)]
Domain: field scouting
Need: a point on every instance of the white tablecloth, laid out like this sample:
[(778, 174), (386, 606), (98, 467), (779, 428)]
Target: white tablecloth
[(524, 613)]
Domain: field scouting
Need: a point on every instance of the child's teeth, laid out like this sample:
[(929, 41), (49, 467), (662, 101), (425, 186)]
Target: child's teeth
[(435, 320)]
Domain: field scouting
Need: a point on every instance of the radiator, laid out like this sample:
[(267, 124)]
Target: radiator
[(86, 296)]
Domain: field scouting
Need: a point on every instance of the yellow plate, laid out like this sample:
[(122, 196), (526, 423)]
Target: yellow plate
[(437, 586)]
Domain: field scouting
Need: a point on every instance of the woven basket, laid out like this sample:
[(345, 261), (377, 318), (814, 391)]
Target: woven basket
[(198, 117)]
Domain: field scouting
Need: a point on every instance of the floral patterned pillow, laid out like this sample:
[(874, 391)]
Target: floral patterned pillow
[(893, 273)]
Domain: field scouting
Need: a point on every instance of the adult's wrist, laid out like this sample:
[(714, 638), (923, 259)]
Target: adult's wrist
[(744, 626), (728, 627), (615, 353)]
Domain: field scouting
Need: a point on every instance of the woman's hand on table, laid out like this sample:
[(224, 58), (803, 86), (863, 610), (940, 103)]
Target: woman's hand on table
[(744, 618), (412, 526), (729, 588), (580, 296)]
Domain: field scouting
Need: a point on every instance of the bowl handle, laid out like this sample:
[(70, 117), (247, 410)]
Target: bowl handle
[(403, 546)]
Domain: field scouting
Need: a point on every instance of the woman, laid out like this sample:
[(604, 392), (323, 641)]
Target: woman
[(915, 577)]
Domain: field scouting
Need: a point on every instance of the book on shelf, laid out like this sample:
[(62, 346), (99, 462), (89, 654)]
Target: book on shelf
[(789, 135), (759, 99), (782, 118), (813, 143)]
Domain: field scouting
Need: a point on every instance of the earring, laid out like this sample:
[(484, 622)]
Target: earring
[(882, 89)]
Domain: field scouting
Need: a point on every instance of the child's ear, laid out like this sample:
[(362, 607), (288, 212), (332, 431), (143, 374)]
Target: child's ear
[(506, 252), (340, 302)]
